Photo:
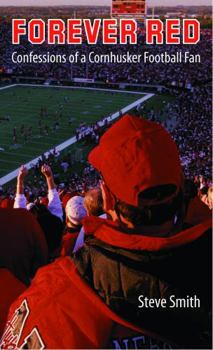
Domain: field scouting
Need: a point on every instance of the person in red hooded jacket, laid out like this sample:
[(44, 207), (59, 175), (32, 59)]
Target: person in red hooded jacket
[(10, 289), (23, 247), (142, 279)]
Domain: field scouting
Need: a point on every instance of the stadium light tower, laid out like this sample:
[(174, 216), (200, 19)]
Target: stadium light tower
[(153, 12)]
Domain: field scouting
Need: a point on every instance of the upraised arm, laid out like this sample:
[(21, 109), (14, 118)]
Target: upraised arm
[(20, 199)]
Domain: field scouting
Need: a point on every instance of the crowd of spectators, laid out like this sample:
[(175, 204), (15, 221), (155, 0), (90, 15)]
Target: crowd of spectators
[(178, 74), (188, 119), (192, 133), (55, 215)]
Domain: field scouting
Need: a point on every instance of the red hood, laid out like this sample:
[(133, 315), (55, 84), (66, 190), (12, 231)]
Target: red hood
[(109, 232)]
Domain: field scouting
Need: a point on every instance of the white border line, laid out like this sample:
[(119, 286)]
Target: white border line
[(73, 88), (12, 175), (8, 86)]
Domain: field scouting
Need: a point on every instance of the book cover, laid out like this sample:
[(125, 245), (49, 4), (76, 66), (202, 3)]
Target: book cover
[(105, 174)]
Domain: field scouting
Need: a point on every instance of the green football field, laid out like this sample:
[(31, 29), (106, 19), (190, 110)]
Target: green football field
[(37, 108), (23, 106)]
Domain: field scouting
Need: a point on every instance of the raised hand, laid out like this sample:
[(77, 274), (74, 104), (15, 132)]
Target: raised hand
[(46, 171), (22, 173)]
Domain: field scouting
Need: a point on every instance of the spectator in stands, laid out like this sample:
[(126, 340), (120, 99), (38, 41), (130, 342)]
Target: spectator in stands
[(208, 198), (54, 205), (51, 218), (196, 210), (75, 212), (23, 248), (93, 203), (145, 252), (52, 227)]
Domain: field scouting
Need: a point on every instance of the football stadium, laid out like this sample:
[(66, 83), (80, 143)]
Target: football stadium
[(106, 190)]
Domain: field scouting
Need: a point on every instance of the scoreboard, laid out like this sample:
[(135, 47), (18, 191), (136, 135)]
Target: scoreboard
[(136, 8)]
